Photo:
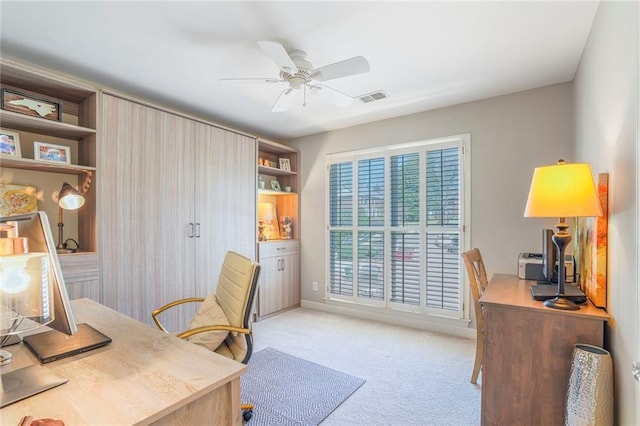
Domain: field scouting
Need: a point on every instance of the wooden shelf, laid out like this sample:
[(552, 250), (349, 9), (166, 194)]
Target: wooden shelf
[(29, 164), (273, 171), (272, 192), (13, 120)]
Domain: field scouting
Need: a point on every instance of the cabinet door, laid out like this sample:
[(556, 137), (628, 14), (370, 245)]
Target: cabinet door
[(270, 283), (146, 203), (291, 279), (225, 200)]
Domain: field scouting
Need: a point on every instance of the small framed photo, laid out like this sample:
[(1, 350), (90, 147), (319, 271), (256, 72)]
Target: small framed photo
[(275, 185), (9, 143), (53, 153), (285, 164), (30, 105)]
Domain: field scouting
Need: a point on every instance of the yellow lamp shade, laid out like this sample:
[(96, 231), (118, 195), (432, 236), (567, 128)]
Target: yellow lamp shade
[(563, 190), (265, 211)]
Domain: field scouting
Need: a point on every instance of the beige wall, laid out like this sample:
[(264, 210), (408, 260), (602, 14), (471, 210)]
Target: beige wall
[(510, 136), (606, 96)]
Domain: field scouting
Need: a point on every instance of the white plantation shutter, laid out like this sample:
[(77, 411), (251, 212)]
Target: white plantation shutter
[(341, 241), (395, 227)]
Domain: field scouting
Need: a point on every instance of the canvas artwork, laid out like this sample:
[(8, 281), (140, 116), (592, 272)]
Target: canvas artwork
[(590, 248), (17, 199)]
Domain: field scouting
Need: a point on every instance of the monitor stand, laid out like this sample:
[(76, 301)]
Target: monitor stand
[(27, 381)]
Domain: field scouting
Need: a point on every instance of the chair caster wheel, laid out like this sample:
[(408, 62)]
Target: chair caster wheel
[(246, 415)]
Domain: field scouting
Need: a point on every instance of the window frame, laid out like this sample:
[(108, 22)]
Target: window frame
[(460, 141)]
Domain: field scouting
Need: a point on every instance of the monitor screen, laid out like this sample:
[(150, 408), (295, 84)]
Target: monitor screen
[(35, 227)]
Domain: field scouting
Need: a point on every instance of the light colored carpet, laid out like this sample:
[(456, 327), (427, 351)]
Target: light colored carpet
[(413, 377), (288, 390)]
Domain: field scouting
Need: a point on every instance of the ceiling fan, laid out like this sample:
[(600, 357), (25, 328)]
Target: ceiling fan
[(299, 74)]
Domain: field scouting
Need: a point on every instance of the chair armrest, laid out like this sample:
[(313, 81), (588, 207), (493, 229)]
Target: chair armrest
[(206, 328), (161, 309)]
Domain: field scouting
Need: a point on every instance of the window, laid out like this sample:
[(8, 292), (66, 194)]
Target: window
[(395, 226)]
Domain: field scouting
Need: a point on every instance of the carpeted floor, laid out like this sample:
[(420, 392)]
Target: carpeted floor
[(413, 377), (288, 390)]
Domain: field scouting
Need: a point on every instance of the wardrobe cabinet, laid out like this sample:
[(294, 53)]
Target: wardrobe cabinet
[(177, 195)]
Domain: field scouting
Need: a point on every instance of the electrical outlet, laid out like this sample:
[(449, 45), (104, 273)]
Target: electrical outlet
[(315, 285)]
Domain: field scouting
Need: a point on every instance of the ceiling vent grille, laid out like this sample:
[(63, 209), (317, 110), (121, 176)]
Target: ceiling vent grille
[(373, 96)]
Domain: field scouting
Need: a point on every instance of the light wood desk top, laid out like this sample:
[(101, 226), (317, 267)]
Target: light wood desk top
[(143, 376), (508, 290)]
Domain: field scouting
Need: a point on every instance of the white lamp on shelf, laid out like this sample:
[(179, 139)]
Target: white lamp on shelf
[(69, 198), (265, 217)]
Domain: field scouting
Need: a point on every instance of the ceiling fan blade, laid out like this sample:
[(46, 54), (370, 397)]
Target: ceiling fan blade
[(284, 100), (356, 65), (279, 55), (254, 80), (332, 95)]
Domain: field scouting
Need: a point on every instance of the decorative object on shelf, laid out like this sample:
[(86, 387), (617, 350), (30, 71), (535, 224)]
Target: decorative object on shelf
[(590, 248), (272, 164), (69, 198), (17, 199), (562, 190), (275, 185), (287, 189), (265, 216), (286, 227), (261, 182), (29, 105), (53, 153), (590, 393), (10, 143), (285, 164)]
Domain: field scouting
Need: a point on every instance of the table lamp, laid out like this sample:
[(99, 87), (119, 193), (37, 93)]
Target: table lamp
[(69, 198), (562, 190), (265, 215)]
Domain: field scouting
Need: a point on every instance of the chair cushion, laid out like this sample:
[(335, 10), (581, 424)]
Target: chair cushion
[(210, 313)]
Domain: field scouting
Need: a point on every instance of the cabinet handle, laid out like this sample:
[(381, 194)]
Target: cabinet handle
[(190, 231), (197, 229), (283, 265)]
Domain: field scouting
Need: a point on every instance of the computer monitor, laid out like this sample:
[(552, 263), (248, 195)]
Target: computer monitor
[(27, 381), (35, 227)]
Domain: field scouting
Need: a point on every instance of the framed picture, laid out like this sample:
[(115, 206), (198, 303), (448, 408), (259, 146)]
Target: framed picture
[(53, 153), (29, 105), (275, 185), (9, 143), (285, 164), (590, 247)]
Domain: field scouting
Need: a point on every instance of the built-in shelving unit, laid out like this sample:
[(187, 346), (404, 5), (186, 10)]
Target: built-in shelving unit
[(278, 212), (77, 130)]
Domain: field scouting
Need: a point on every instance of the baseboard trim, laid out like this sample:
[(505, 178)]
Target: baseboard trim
[(453, 327)]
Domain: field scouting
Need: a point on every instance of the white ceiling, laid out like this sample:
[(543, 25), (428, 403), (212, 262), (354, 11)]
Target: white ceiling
[(424, 55)]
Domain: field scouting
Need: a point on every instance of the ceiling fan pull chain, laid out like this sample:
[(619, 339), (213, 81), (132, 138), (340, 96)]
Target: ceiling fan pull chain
[(304, 96)]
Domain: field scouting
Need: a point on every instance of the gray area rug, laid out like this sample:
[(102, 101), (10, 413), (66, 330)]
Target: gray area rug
[(287, 390)]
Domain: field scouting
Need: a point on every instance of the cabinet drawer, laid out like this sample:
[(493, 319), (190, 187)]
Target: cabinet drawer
[(277, 248)]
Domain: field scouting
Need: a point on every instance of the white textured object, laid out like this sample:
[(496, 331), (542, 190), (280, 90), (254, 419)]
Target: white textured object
[(590, 393)]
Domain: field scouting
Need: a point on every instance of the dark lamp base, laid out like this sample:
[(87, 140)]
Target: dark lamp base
[(561, 303)]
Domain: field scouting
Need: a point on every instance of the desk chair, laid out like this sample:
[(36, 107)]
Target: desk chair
[(223, 321), (478, 283)]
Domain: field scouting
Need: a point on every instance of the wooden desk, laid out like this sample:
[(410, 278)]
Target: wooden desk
[(528, 352), (144, 376)]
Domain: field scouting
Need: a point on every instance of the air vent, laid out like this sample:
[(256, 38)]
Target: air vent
[(373, 96)]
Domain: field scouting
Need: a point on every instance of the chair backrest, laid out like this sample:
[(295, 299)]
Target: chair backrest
[(235, 294), (477, 280)]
